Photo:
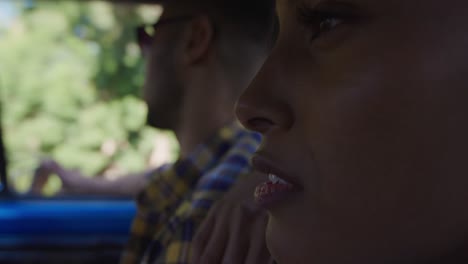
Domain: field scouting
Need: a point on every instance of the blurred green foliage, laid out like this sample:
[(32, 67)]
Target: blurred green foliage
[(70, 74)]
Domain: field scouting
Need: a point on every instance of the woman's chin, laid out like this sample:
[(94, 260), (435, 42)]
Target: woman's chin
[(284, 245)]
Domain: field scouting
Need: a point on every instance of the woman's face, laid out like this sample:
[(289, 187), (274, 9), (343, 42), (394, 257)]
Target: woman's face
[(363, 105)]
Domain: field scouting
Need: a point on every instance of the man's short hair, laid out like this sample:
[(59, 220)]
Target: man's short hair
[(248, 19)]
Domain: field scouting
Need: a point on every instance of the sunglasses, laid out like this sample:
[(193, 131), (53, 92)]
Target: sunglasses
[(145, 33)]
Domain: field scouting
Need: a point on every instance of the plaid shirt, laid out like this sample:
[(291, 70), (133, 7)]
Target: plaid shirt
[(177, 199)]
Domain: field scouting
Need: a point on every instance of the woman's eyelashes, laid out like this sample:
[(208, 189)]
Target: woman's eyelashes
[(318, 21)]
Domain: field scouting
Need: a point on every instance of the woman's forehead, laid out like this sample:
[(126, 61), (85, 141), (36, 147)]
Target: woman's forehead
[(435, 16), (384, 4)]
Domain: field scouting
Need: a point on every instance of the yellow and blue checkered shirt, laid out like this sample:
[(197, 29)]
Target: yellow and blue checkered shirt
[(177, 198)]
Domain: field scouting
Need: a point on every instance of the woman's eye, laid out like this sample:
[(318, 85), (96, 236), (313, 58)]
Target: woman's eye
[(318, 22), (329, 23)]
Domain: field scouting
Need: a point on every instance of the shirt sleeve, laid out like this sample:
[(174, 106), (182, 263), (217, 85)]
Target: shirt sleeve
[(155, 204)]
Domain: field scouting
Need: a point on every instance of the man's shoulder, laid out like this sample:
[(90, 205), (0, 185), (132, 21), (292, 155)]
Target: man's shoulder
[(243, 147), (234, 162)]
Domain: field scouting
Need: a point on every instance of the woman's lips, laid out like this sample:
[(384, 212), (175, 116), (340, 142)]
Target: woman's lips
[(272, 191), (278, 187)]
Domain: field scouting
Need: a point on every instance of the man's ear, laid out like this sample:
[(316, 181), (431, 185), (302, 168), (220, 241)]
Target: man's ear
[(199, 40)]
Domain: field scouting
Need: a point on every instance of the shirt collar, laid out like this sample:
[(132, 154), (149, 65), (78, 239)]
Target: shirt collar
[(208, 154)]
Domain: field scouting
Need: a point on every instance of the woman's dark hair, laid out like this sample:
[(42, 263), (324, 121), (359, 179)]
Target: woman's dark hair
[(3, 159), (3, 166)]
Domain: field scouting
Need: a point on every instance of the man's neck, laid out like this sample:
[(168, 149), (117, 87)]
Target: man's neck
[(205, 111)]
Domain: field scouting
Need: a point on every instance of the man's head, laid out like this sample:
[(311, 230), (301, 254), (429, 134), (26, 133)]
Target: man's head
[(205, 38)]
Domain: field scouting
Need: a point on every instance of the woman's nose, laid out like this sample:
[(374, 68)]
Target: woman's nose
[(262, 107)]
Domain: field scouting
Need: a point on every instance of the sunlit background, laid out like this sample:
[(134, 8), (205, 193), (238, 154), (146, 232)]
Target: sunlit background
[(70, 75)]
